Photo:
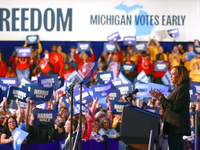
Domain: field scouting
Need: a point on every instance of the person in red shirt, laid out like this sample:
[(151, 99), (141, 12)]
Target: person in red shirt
[(3, 66), (84, 58), (12, 60), (144, 64), (56, 60), (157, 75), (67, 70)]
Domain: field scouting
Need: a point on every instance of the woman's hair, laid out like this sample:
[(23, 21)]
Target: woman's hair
[(95, 123), (158, 56), (102, 120), (183, 75), (6, 128), (98, 114)]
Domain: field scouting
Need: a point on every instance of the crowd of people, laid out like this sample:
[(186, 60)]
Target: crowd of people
[(103, 124)]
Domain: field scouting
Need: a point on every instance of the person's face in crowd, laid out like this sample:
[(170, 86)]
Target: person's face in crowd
[(192, 121), (95, 128), (11, 123), (153, 42), (127, 57), (161, 57), (72, 50), (64, 113), (46, 52), (160, 49), (85, 57), (32, 50), (144, 54), (83, 128), (197, 55), (10, 69), (196, 43), (190, 49), (67, 126), (131, 51), (100, 117), (59, 49), (106, 124), (175, 49), (54, 49), (180, 47), (115, 58), (196, 66), (67, 66), (100, 68), (174, 76), (60, 121), (105, 55)]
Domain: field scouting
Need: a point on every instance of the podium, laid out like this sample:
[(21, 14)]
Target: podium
[(136, 126)]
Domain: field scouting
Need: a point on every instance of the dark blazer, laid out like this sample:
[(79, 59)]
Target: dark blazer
[(176, 111)]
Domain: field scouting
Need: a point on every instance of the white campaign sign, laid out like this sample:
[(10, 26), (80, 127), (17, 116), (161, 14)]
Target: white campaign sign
[(94, 20)]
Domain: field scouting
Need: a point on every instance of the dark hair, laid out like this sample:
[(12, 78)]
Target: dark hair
[(73, 47), (102, 120), (183, 75), (60, 46), (63, 107), (74, 123), (53, 45), (158, 56), (6, 128)]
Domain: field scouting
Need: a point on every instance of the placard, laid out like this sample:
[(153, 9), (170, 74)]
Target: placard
[(60, 82), (83, 46), (114, 95), (123, 78), (24, 51), (114, 37), (117, 81), (102, 90), (5, 89), (142, 90), (162, 88), (190, 56), (140, 46), (110, 47), (117, 107), (86, 97), (23, 80), (127, 67), (49, 81), (161, 66), (105, 76), (166, 78), (16, 92), (32, 39), (142, 77), (9, 81), (197, 49), (173, 32), (125, 88), (129, 40)]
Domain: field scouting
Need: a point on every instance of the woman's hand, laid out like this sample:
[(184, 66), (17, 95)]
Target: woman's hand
[(11, 139), (157, 94), (87, 115)]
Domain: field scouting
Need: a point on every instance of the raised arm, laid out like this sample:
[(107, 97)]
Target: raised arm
[(19, 112)]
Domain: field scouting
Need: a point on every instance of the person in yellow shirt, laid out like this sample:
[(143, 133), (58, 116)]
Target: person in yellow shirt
[(194, 60), (174, 57), (161, 50), (186, 62), (195, 74), (153, 45), (133, 55), (32, 49)]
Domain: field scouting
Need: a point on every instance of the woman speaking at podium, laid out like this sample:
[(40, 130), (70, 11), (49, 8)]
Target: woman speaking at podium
[(176, 108)]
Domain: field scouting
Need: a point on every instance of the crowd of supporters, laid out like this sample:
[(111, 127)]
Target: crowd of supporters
[(103, 124)]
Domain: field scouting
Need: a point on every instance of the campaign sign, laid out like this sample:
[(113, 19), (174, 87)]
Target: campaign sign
[(84, 108), (21, 104), (153, 109), (86, 97), (166, 78), (110, 47), (24, 52), (123, 78), (193, 91), (102, 90), (40, 93), (161, 66), (18, 136), (114, 95), (19, 93), (5, 89), (60, 82), (117, 81), (142, 90), (197, 49), (46, 117), (83, 46), (9, 81), (117, 107), (105, 76), (129, 40), (142, 77), (140, 46), (77, 89), (162, 88), (173, 32), (127, 67), (32, 39), (65, 100), (125, 88), (190, 56), (196, 85), (114, 37), (23, 80), (48, 81)]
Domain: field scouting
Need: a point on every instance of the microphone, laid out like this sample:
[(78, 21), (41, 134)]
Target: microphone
[(130, 94)]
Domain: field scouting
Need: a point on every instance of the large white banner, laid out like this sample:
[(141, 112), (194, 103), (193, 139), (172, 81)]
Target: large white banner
[(94, 20)]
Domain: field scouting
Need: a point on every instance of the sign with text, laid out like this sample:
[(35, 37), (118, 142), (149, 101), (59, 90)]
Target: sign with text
[(166, 78), (83, 46), (114, 95), (162, 88), (127, 67), (123, 78), (140, 46), (105, 76), (190, 56), (114, 37), (110, 47), (5, 89), (125, 88), (161, 66), (117, 107), (142, 90), (24, 52), (32, 39), (197, 49), (102, 90), (129, 40), (173, 32), (86, 97), (16, 92), (9, 81), (23, 80), (48, 81)]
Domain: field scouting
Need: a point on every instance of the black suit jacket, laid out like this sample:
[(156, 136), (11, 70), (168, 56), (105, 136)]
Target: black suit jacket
[(67, 143), (176, 111)]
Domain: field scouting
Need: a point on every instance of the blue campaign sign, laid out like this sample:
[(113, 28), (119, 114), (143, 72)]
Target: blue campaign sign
[(161, 66), (9, 81), (173, 32), (123, 78), (46, 117), (101, 91), (18, 136), (32, 39), (129, 40), (1, 95), (102, 101), (28, 87), (117, 107), (193, 91), (77, 89), (166, 78), (65, 100), (127, 67), (140, 46), (142, 90), (21, 104), (162, 88), (153, 109), (86, 97), (5, 89), (40, 93), (196, 85), (84, 108), (24, 52), (48, 81), (190, 56), (23, 80), (83, 46), (60, 82), (105, 76), (197, 49), (142, 77), (110, 47), (114, 37), (117, 81), (114, 95), (125, 88), (19, 93)]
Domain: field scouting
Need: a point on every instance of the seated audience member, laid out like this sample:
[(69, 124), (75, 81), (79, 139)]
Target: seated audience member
[(71, 58), (195, 73), (95, 132), (3, 66), (157, 75), (106, 128), (190, 49), (10, 73), (175, 57), (84, 58), (114, 66), (9, 127), (67, 70), (144, 64)]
